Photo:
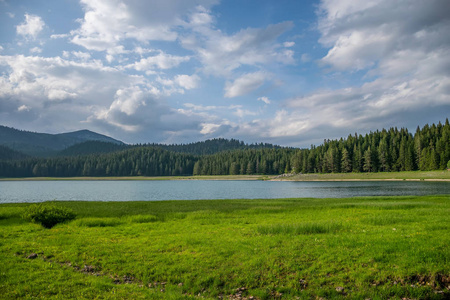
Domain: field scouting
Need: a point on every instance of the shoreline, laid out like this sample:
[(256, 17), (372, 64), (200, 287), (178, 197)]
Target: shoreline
[(441, 176), (362, 179)]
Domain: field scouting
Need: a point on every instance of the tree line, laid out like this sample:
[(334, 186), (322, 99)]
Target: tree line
[(380, 151)]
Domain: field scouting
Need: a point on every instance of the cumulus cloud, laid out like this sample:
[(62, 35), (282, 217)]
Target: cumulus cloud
[(264, 99), (289, 44), (187, 82), (160, 61), (31, 27), (106, 24), (67, 92), (245, 84), (35, 50), (402, 47), (23, 108), (221, 54), (360, 34)]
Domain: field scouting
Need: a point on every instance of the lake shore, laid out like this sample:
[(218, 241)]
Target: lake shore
[(348, 248), (441, 175)]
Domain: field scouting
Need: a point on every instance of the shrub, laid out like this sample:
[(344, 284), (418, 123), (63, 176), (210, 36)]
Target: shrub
[(48, 215)]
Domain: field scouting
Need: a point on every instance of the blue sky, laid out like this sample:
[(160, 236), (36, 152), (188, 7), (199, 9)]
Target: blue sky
[(287, 72)]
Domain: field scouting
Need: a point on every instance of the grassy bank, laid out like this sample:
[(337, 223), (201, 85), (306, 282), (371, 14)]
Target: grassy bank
[(410, 175), (358, 248)]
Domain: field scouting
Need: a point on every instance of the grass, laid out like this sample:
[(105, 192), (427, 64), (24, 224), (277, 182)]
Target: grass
[(406, 175), (354, 248)]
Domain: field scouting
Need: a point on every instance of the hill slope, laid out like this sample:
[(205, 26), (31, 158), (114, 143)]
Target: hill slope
[(9, 154), (44, 144), (92, 147), (213, 146)]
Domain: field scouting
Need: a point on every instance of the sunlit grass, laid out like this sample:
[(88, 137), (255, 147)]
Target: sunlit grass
[(303, 228), (355, 248)]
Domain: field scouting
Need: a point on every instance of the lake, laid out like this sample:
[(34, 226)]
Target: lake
[(129, 190)]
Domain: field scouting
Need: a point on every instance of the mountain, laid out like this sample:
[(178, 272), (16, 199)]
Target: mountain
[(44, 144)]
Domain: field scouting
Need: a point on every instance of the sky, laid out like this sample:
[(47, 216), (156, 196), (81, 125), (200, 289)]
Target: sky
[(287, 72)]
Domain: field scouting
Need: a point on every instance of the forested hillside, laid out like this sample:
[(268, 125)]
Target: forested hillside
[(380, 151), (92, 147), (148, 161), (213, 146), (10, 154)]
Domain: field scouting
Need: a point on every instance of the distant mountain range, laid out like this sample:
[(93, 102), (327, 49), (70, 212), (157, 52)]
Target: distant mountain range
[(85, 153), (18, 144), (44, 144)]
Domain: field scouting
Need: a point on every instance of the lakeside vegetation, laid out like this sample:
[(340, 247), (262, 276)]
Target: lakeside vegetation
[(358, 248), (442, 175), (390, 150), (398, 176)]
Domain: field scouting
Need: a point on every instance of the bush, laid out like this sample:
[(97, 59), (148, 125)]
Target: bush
[(48, 215)]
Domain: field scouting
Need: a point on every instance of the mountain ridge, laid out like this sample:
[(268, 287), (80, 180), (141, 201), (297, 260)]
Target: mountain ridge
[(46, 144)]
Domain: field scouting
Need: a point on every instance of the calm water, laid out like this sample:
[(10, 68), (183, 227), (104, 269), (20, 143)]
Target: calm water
[(37, 191)]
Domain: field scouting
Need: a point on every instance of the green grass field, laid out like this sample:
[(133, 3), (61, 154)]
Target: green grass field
[(355, 248)]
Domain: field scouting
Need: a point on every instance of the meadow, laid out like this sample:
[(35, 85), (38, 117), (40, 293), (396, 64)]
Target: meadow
[(354, 248)]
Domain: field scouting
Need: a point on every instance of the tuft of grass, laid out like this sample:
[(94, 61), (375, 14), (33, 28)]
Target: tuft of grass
[(144, 219), (302, 228), (98, 222), (388, 219)]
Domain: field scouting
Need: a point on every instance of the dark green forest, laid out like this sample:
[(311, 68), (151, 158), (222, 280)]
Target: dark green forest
[(381, 151)]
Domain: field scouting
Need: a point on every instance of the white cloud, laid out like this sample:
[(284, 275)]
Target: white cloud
[(208, 128), (264, 99), (59, 36), (245, 84), (161, 61), (402, 46), (35, 50), (187, 82), (31, 27), (56, 94), (54, 87), (81, 55), (222, 54), (107, 24), (37, 89), (289, 44), (23, 108), (360, 34)]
